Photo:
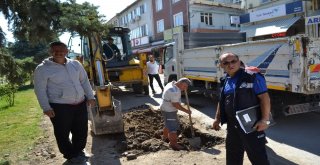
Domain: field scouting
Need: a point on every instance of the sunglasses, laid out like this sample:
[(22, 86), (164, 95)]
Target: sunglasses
[(230, 62)]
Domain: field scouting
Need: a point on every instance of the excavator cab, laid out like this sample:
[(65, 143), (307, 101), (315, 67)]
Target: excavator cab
[(117, 47), (110, 63)]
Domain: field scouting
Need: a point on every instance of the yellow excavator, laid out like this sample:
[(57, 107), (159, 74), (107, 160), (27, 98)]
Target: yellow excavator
[(108, 71)]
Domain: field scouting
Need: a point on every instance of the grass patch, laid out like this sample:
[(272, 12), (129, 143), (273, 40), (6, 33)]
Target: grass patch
[(19, 125)]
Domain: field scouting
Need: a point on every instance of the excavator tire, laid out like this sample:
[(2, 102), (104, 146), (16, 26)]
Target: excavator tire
[(137, 88), (146, 89)]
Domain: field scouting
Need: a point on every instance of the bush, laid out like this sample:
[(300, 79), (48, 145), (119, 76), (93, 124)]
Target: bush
[(7, 93)]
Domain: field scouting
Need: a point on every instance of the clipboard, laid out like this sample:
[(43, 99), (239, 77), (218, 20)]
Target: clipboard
[(248, 117)]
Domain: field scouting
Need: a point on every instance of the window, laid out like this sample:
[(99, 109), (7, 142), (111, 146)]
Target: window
[(168, 54), (158, 5), (142, 8), (133, 14), (206, 18), (121, 21), (138, 11), (139, 32), (129, 17), (175, 1), (144, 30), (264, 1), (160, 26), (126, 19), (178, 19), (237, 1)]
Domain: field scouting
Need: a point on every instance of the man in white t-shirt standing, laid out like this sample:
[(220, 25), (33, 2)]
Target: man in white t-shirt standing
[(153, 72), (169, 108)]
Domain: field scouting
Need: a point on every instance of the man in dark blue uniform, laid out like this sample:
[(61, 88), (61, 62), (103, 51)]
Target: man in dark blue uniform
[(241, 90)]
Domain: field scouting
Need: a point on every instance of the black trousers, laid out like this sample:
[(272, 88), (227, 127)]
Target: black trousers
[(253, 143), (157, 77), (70, 119)]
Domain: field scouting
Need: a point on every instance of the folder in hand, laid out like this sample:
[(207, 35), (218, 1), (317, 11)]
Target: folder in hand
[(248, 117)]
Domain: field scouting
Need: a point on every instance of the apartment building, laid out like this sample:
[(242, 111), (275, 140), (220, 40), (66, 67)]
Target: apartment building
[(171, 16), (214, 16), (273, 18), (138, 18), (153, 22)]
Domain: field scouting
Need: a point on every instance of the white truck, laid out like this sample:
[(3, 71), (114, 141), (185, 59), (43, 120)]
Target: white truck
[(291, 67)]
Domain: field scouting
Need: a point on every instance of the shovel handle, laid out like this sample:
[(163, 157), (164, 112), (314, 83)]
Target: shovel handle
[(190, 120)]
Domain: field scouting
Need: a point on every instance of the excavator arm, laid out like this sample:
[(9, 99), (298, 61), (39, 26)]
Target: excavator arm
[(106, 117)]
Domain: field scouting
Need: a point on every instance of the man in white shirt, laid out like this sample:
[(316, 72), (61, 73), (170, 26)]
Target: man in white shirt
[(153, 72), (169, 108)]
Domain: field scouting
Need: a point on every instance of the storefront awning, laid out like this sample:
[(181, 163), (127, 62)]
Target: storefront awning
[(146, 50), (273, 27)]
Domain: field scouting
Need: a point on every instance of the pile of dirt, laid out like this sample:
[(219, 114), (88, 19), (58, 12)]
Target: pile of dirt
[(143, 132)]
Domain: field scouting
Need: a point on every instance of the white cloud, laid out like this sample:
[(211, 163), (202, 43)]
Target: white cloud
[(109, 8)]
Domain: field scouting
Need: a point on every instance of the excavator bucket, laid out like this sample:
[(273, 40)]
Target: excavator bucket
[(108, 121)]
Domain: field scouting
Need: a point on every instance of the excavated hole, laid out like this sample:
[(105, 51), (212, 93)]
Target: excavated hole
[(143, 131)]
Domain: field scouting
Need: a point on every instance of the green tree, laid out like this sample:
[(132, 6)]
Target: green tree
[(12, 72), (2, 38), (27, 65), (41, 21)]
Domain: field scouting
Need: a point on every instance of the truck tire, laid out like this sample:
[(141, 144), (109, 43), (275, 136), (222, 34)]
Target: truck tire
[(146, 89), (137, 88)]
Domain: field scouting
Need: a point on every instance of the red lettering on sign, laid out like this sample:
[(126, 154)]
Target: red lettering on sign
[(276, 35)]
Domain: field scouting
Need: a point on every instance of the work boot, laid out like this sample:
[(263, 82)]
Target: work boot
[(176, 147), (165, 135), (174, 141)]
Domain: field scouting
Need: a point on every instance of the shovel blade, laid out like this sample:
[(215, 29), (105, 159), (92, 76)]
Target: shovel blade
[(195, 142)]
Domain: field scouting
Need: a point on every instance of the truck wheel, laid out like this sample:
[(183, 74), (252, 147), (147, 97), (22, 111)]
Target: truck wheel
[(146, 89), (137, 88)]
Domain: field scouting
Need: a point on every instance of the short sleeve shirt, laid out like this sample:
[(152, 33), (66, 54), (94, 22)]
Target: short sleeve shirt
[(259, 85), (152, 67), (171, 94)]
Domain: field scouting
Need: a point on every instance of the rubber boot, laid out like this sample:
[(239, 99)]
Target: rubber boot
[(174, 141), (165, 136)]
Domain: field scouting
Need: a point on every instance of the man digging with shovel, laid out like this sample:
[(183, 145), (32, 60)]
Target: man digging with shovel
[(169, 108)]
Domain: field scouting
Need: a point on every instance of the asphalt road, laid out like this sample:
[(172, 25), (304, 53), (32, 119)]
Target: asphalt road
[(292, 140)]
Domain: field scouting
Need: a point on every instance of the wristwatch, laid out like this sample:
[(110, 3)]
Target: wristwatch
[(266, 121)]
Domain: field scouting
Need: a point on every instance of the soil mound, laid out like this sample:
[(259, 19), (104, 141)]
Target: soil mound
[(143, 132)]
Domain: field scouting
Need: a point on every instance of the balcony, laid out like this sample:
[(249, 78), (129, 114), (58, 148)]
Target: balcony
[(213, 27)]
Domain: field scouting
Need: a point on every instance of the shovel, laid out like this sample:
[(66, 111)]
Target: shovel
[(193, 141)]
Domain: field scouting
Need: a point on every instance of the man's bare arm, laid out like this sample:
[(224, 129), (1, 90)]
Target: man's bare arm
[(181, 108), (265, 111), (265, 106)]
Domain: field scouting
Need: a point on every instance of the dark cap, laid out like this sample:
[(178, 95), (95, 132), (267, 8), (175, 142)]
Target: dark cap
[(109, 38), (57, 43)]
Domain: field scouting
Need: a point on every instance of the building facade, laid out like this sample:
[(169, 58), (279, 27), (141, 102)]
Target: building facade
[(171, 16), (274, 18), (214, 16), (153, 22), (138, 18)]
